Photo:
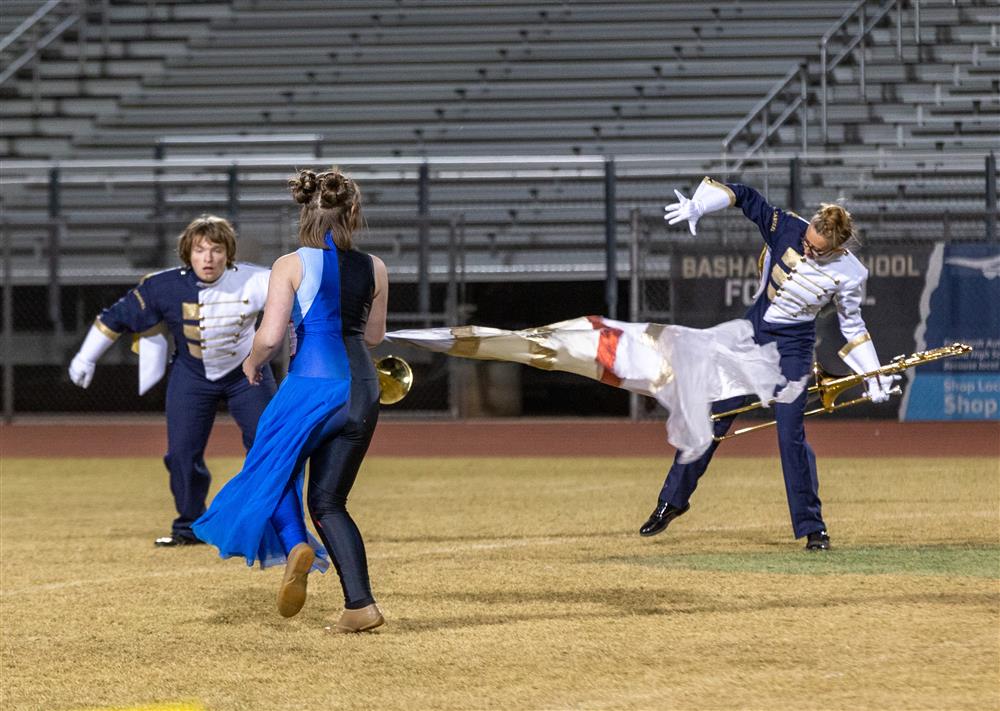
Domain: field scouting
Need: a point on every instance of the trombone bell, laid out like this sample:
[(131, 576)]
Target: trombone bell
[(395, 378)]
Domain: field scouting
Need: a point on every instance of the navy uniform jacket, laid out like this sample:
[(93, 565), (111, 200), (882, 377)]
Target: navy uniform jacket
[(212, 324), (793, 288)]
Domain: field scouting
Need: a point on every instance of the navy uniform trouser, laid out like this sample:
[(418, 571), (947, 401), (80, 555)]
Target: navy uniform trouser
[(798, 463), (192, 401)]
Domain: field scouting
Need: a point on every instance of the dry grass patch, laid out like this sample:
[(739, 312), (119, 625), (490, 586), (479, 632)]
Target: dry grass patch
[(517, 584)]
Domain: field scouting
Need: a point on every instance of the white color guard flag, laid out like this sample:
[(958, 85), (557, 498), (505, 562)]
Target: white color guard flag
[(685, 369)]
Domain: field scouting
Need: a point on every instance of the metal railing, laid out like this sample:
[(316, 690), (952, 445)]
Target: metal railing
[(51, 232), (865, 24), (65, 14), (792, 90)]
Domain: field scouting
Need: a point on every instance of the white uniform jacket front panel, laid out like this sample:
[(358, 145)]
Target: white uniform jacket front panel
[(794, 288), (227, 316), (799, 287)]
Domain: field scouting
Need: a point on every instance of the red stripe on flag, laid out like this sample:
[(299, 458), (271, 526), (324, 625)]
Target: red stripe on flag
[(607, 347), (607, 350)]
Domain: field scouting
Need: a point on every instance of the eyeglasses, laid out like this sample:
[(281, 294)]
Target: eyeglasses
[(811, 251)]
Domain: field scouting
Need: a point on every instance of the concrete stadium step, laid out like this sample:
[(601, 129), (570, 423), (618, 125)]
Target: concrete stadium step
[(45, 126), (100, 86), (14, 13), (525, 34), (336, 116), (132, 49), (36, 147), (168, 11), (435, 16), (608, 50), (163, 90), (141, 147), (434, 72), (63, 106), (133, 68), (561, 131)]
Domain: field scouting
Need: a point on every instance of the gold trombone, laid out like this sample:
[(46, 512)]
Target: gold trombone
[(395, 378), (830, 387)]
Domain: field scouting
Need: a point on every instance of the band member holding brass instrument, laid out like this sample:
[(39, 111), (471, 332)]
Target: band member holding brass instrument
[(210, 306), (806, 264), (324, 412)]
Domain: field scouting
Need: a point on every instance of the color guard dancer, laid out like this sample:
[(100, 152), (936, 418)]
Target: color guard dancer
[(806, 264)]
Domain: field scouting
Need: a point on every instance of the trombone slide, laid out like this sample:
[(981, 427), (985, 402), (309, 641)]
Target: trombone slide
[(815, 411), (829, 387)]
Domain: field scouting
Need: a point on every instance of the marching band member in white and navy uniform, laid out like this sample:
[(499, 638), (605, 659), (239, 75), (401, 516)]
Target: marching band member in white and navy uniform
[(210, 306), (806, 265)]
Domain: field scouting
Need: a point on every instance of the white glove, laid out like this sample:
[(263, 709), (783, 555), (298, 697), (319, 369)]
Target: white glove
[(81, 371), (709, 197), (81, 368), (684, 209), (879, 387)]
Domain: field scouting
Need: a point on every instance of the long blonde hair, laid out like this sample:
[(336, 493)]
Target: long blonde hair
[(331, 202)]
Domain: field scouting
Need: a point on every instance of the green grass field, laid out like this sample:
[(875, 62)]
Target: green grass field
[(517, 584)]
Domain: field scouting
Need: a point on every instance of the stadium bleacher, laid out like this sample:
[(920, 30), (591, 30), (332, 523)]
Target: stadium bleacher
[(399, 79)]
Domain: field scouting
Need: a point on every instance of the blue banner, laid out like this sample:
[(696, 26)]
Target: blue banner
[(960, 303)]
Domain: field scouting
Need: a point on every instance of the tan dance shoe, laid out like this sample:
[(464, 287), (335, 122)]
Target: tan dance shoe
[(292, 593), (367, 618)]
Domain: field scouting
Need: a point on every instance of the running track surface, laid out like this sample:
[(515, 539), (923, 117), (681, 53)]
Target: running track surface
[(525, 437)]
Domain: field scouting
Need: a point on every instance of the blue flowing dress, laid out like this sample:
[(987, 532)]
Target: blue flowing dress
[(311, 402)]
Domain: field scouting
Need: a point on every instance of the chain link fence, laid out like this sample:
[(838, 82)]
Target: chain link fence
[(505, 242)]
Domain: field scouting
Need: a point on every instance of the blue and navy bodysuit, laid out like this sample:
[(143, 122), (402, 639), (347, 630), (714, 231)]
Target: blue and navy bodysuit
[(325, 413), (212, 325), (792, 291)]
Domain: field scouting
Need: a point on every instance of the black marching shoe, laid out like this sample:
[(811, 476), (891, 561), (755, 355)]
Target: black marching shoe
[(661, 517), (174, 540), (818, 541)]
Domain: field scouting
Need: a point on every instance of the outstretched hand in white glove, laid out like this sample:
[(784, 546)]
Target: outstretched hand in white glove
[(684, 209)]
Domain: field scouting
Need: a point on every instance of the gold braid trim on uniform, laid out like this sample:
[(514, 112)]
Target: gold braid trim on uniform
[(854, 343), (805, 281), (791, 258), (815, 265), (721, 186), (99, 325)]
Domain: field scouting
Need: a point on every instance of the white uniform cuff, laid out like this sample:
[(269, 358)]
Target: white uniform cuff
[(860, 354), (99, 339), (713, 196)]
